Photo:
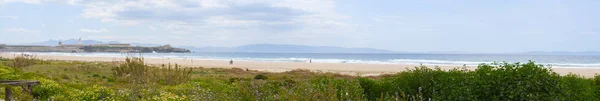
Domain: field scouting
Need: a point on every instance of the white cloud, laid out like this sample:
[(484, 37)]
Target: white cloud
[(9, 17), (129, 39), (235, 21), (152, 28), (71, 2), (122, 37), (101, 30), (20, 30), (217, 13), (16, 35), (26, 1)]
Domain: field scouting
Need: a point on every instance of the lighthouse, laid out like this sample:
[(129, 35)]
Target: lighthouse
[(79, 42)]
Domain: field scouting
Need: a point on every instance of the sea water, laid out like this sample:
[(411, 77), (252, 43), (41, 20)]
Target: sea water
[(570, 61)]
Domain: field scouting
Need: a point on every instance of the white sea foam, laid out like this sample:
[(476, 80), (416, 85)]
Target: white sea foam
[(434, 62), (573, 65)]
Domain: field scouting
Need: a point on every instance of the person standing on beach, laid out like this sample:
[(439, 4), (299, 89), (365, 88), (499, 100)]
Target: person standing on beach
[(231, 62)]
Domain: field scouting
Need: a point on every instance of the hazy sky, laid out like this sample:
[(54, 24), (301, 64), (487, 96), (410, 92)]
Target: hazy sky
[(488, 26)]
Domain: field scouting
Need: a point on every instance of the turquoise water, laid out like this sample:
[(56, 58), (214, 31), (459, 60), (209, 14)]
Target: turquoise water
[(585, 61)]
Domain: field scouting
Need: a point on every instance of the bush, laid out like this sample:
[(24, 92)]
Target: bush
[(23, 61), (261, 77), (3, 59), (94, 93), (7, 73), (575, 88), (48, 89), (498, 81), (516, 82), (173, 76), (110, 80), (134, 70)]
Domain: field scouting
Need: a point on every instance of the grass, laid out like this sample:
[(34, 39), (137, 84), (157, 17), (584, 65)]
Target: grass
[(133, 80)]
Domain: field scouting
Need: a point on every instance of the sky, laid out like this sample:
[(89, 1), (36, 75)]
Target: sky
[(478, 26)]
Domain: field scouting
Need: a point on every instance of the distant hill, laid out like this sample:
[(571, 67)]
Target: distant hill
[(281, 48), (87, 42), (563, 53)]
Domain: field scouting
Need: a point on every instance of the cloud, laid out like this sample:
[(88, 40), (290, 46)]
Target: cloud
[(16, 35), (122, 37), (101, 30), (129, 39), (235, 21), (152, 28), (70, 2), (26, 1), (20, 30), (220, 14), (9, 17)]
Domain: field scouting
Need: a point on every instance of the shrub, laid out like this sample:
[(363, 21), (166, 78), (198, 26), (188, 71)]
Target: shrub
[(93, 93), (3, 59), (134, 70), (261, 77), (65, 76), (110, 80), (596, 87), (498, 81), (47, 89), (516, 82), (575, 88), (23, 61), (7, 73), (173, 76)]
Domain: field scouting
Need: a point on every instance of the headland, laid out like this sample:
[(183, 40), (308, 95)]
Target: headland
[(106, 48)]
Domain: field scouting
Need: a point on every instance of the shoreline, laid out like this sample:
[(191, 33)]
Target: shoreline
[(342, 68)]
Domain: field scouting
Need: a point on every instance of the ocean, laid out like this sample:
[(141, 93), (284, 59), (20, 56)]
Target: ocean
[(570, 61)]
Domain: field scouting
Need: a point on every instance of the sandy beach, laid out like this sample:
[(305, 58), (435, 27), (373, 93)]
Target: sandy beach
[(344, 68)]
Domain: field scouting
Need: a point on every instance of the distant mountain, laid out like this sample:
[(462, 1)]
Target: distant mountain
[(448, 52), (86, 42), (563, 53), (280, 48)]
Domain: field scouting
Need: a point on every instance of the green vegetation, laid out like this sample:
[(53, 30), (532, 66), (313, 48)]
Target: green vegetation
[(260, 77), (133, 80)]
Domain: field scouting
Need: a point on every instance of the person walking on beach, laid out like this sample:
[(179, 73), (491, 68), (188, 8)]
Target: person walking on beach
[(231, 62)]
